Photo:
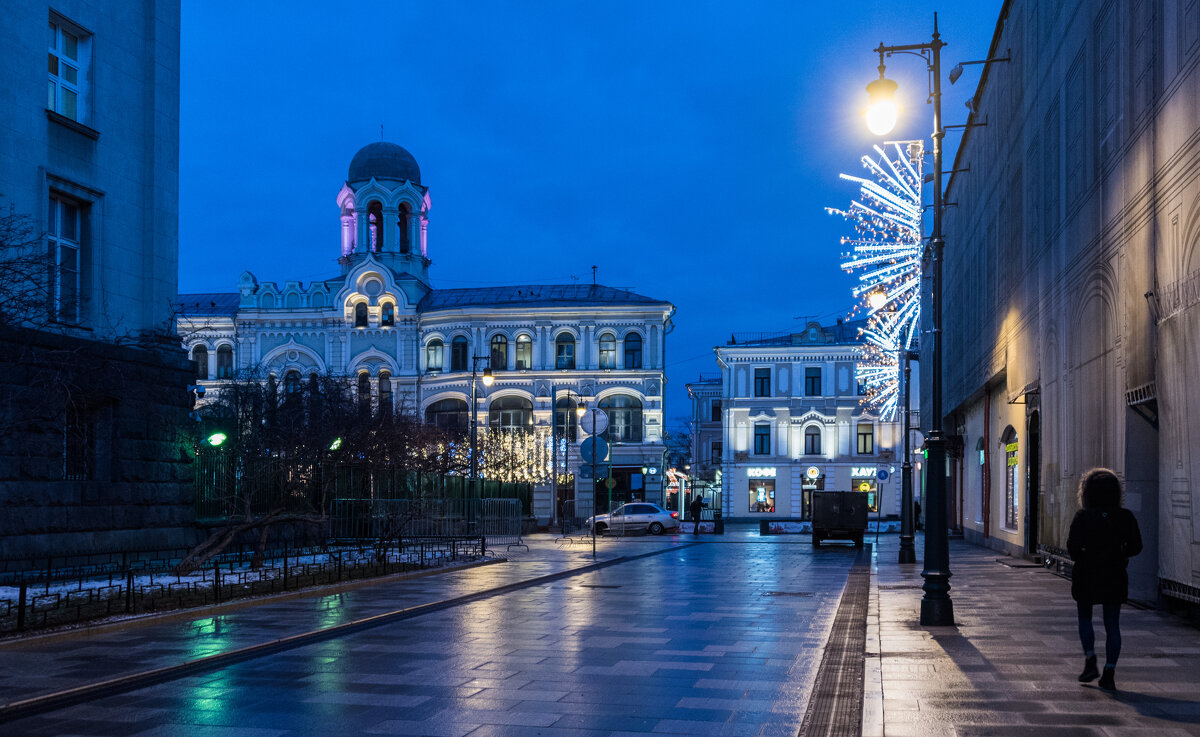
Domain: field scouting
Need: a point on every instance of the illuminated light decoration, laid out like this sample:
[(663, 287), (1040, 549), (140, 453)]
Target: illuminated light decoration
[(813, 472), (337, 443), (216, 439), (887, 251), (766, 472)]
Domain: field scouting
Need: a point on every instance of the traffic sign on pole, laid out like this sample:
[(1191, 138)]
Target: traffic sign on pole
[(596, 445), (594, 417)]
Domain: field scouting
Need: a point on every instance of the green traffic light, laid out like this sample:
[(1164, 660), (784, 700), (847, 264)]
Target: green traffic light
[(216, 438)]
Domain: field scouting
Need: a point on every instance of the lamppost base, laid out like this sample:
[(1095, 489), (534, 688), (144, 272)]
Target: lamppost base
[(908, 553), (937, 612)]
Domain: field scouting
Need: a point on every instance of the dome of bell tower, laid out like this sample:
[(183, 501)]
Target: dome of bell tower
[(383, 160)]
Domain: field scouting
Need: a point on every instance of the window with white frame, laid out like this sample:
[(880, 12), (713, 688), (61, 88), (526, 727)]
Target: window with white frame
[(812, 441), (608, 351), (433, 355), (866, 438), (524, 357), (633, 351), (69, 54), (64, 230)]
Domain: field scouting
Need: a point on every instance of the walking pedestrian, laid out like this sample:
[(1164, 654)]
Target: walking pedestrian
[(917, 513), (694, 510), (1103, 537)]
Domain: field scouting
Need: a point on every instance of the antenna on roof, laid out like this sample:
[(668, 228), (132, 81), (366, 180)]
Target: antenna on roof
[(593, 276), (381, 131)]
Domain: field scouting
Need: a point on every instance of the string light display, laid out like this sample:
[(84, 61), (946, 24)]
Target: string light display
[(886, 250)]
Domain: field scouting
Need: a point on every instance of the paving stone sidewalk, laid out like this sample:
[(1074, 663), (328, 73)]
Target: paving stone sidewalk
[(43, 664), (1009, 667)]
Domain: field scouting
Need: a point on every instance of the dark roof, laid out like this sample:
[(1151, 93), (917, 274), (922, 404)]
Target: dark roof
[(209, 303), (841, 333), (383, 160), (533, 295)]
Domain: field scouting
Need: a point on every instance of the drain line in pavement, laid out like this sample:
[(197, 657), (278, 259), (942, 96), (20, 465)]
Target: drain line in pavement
[(835, 706), (134, 681)]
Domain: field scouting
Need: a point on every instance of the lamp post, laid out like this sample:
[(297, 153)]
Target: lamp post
[(487, 381), (936, 606), (907, 550), (580, 409)]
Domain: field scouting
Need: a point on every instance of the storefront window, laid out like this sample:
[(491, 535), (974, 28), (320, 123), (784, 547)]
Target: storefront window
[(762, 495), (867, 486)]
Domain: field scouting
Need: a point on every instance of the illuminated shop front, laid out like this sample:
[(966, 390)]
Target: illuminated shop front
[(761, 482)]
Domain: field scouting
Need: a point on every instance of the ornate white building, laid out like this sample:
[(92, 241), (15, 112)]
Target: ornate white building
[(382, 324), (787, 418)]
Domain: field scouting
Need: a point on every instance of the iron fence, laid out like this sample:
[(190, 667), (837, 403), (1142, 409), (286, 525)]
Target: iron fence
[(67, 590), (497, 521)]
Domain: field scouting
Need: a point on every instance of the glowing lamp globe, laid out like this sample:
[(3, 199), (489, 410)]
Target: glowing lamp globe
[(882, 110), (487, 377), (877, 299), (216, 438)]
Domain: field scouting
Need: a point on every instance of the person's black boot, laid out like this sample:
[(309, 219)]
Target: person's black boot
[(1089, 673), (1108, 681)]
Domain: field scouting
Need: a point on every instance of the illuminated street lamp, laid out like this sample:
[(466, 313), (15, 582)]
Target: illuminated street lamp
[(936, 606), (580, 410), (216, 439), (487, 381)]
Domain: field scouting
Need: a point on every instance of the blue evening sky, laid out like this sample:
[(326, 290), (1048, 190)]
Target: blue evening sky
[(688, 149)]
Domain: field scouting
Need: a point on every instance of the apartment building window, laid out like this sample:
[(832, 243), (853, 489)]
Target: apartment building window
[(812, 381), (224, 362), (608, 351), (433, 355), (564, 351), (524, 352), (762, 382), (718, 449), (862, 387), (866, 438), (716, 411), (812, 441), (64, 232), (762, 440), (69, 53), (633, 351), (458, 354)]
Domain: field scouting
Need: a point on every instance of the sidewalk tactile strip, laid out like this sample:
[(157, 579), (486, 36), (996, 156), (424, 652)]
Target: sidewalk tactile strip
[(835, 707)]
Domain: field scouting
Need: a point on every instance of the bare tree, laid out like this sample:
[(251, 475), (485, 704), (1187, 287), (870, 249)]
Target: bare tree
[(25, 272)]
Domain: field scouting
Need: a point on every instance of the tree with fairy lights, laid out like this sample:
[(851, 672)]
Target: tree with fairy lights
[(886, 249)]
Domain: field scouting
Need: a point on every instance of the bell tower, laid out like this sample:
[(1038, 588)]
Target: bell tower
[(385, 212)]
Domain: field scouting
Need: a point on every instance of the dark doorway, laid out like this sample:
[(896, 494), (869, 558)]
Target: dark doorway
[(1033, 483)]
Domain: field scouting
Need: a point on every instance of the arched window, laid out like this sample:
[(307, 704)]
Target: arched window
[(402, 224), (272, 387), (449, 414), (291, 384), (566, 422), (364, 392), (389, 315), (375, 221), (458, 354), (292, 300), (433, 355), (812, 441), (1012, 494), (608, 351), (268, 301), (499, 353), (225, 362), (314, 385), (360, 315), (200, 360), (564, 351), (317, 301), (524, 353), (385, 392), (633, 351), (624, 418), (511, 413)]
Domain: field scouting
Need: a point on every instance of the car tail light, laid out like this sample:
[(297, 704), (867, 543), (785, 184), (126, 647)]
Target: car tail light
[(674, 515)]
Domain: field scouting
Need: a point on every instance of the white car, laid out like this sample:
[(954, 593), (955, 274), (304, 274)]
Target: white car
[(635, 517)]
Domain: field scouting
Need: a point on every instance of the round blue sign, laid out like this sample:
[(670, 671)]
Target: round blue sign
[(882, 474)]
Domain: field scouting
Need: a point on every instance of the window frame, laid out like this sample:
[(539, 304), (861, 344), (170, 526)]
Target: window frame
[(60, 84), (500, 414), (201, 367), (224, 371), (68, 311), (626, 418), (608, 351), (762, 382), (564, 359), (362, 315), (461, 414), (566, 422), (633, 356), (524, 344), (435, 350), (715, 411), (812, 381), (812, 449), (762, 439), (499, 342), (865, 441), (460, 351), (387, 315)]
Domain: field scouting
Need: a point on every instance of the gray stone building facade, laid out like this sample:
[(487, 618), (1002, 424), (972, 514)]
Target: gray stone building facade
[(383, 326), (1072, 259), (91, 383)]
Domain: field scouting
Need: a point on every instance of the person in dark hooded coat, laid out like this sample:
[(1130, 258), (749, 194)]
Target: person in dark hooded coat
[(1103, 537)]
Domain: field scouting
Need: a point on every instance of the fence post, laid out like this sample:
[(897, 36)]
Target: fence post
[(217, 582), (285, 567), (128, 589), (21, 607)]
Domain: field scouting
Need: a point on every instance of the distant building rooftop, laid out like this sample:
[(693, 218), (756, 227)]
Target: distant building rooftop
[(840, 333), (209, 303), (532, 295)]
